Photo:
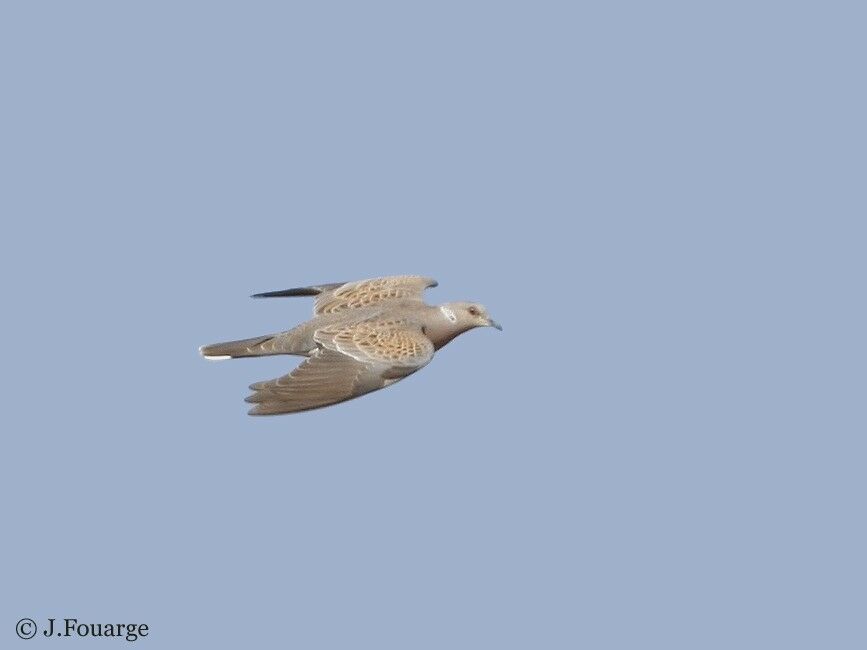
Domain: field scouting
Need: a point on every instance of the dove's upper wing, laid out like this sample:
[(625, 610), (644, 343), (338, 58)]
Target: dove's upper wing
[(331, 298), (353, 360)]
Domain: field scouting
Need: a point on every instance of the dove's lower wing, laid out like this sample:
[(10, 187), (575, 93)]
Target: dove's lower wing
[(353, 360)]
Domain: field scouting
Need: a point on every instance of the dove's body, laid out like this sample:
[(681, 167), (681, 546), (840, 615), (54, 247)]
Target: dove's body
[(364, 336)]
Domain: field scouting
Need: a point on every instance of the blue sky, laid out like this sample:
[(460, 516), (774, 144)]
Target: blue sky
[(663, 205)]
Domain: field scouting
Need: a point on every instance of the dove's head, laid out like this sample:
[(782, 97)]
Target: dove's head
[(467, 315)]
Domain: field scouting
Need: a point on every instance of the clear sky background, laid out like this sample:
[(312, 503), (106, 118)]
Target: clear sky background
[(664, 205)]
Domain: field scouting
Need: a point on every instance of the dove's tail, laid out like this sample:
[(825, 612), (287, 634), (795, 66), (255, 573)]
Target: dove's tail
[(299, 340), (255, 347)]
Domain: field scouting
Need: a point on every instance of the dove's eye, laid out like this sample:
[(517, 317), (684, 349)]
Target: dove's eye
[(473, 311)]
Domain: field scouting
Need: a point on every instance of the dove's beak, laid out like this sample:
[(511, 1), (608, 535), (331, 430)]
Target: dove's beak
[(495, 324)]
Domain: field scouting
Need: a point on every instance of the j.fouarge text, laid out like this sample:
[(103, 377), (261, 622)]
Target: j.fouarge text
[(72, 627)]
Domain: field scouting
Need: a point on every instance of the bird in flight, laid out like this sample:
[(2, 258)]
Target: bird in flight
[(363, 336)]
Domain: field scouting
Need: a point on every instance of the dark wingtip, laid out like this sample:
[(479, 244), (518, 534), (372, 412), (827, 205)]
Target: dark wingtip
[(286, 293)]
